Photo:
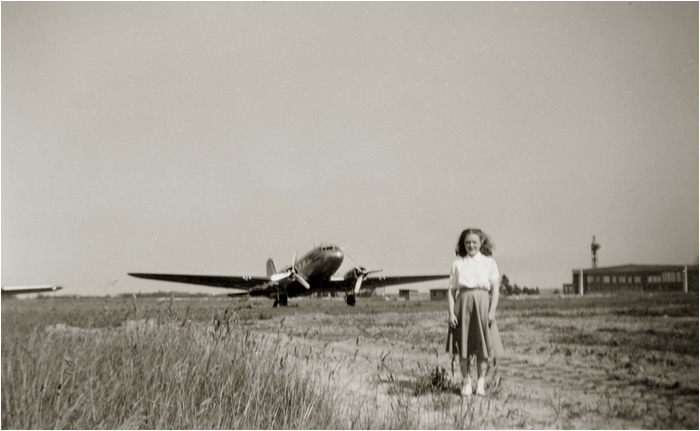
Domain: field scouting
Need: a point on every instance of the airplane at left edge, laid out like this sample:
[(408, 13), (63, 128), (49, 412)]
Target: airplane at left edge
[(313, 273), (17, 290)]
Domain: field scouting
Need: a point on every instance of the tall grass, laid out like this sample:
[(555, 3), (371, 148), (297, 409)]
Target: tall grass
[(156, 375), (135, 365)]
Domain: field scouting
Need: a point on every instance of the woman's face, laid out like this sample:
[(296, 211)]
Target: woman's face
[(472, 243)]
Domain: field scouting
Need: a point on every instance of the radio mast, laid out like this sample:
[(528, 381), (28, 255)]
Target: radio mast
[(594, 252)]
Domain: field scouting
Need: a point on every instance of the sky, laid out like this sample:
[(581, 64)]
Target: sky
[(204, 138)]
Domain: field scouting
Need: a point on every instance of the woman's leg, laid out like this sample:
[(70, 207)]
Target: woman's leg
[(485, 344), (466, 382), (483, 366)]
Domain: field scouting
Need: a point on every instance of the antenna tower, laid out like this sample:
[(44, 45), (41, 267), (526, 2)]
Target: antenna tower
[(594, 252)]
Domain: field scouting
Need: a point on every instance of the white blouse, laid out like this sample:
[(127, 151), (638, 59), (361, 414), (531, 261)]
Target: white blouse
[(474, 272)]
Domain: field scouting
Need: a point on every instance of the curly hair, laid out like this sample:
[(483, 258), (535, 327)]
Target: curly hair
[(486, 244)]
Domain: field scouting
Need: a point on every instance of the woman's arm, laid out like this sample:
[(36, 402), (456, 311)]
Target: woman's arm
[(451, 317), (495, 293)]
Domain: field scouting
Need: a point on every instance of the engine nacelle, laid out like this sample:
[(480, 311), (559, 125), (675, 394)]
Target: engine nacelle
[(350, 275)]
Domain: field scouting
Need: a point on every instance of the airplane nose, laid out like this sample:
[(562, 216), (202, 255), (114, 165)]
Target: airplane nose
[(336, 255)]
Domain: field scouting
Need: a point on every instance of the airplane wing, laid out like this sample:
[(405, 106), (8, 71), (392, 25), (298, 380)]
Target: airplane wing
[(264, 286), (17, 290), (379, 281), (374, 282), (229, 282)]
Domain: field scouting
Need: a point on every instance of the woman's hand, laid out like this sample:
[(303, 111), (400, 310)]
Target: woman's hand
[(453, 320), (492, 316)]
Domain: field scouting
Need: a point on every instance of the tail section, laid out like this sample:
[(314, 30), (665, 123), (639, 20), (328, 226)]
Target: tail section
[(271, 268)]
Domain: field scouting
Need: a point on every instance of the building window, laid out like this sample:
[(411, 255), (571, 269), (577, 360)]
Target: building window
[(606, 279), (670, 277), (654, 279)]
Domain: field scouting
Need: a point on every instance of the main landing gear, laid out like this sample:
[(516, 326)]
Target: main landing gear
[(350, 299), (281, 300)]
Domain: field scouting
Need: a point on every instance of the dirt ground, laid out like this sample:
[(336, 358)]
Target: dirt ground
[(579, 369)]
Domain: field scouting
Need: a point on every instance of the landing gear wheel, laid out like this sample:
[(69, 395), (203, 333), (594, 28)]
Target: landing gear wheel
[(350, 300)]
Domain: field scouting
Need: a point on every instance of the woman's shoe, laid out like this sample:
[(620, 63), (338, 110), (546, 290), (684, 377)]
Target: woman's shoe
[(480, 387), (467, 388)]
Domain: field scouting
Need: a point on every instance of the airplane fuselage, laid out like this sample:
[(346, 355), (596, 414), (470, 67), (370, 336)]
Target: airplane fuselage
[(316, 267)]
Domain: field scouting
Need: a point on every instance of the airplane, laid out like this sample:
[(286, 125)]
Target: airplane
[(17, 290), (311, 274)]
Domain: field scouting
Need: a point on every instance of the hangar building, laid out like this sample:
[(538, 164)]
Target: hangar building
[(639, 278), (438, 294), (408, 294)]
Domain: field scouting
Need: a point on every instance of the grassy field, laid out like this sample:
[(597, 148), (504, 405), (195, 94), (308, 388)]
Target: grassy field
[(605, 362)]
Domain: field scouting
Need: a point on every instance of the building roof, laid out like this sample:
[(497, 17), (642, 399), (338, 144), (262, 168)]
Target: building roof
[(635, 268)]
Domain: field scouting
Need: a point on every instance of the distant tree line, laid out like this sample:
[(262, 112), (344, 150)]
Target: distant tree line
[(508, 289)]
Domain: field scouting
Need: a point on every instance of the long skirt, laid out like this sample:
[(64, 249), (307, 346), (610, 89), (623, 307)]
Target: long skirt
[(473, 335)]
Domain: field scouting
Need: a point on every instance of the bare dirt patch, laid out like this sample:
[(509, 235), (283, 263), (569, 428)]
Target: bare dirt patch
[(574, 367)]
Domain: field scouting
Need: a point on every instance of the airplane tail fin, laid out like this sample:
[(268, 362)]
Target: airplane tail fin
[(271, 268)]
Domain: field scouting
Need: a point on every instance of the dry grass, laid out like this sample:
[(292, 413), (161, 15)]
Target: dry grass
[(151, 373), (593, 362)]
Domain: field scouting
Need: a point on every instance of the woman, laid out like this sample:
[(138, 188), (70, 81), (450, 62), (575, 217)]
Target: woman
[(472, 301)]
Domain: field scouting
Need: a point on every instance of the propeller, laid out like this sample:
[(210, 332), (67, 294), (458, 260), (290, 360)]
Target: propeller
[(291, 274), (361, 274)]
